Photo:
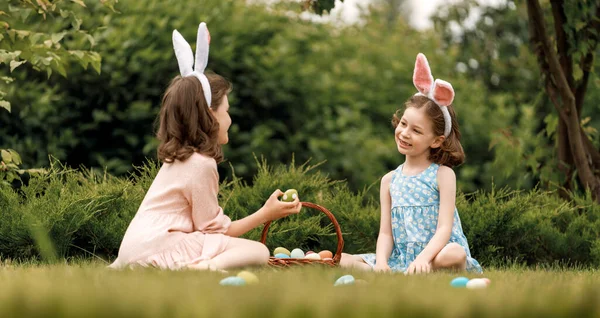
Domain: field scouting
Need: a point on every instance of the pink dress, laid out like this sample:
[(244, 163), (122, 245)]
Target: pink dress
[(179, 221)]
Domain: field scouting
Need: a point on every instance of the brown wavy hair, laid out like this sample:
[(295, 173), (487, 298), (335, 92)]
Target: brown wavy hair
[(451, 152), (185, 123)]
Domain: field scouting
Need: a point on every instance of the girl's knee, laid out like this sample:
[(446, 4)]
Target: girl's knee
[(453, 255), (456, 253), (260, 252), (347, 260), (264, 253)]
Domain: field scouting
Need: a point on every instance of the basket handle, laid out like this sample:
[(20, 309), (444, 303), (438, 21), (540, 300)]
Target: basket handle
[(338, 254)]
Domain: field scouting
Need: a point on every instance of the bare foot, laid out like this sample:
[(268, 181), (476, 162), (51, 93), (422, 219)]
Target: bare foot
[(206, 266)]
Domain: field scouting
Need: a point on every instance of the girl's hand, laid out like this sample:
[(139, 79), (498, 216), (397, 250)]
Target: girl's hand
[(275, 209), (381, 267), (418, 266)]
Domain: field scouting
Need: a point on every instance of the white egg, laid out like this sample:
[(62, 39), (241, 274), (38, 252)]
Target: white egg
[(313, 256), (297, 253), (476, 283)]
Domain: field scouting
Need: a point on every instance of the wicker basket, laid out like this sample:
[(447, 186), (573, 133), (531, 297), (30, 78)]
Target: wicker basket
[(285, 262)]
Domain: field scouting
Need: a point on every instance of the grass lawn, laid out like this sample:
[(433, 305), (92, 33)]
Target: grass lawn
[(90, 290)]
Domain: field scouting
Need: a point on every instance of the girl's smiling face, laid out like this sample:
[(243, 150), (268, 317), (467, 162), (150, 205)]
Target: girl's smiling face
[(414, 134)]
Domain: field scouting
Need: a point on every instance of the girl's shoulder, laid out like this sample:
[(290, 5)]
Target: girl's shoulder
[(388, 176), (445, 173), (200, 160), (196, 164)]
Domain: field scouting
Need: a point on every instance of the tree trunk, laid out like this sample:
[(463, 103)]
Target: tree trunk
[(564, 95), (306, 5), (565, 157)]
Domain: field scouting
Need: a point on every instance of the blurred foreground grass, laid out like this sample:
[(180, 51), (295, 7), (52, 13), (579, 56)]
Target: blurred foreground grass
[(91, 290)]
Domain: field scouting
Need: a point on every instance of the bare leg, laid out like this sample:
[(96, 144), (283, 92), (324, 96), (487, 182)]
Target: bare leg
[(354, 261), (452, 256), (238, 253)]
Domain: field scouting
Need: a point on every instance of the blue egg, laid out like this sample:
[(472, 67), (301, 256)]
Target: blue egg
[(345, 280), (281, 255), (459, 282), (232, 281)]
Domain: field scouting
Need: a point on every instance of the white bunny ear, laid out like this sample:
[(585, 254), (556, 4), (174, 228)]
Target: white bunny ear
[(202, 43), (185, 58), (183, 52)]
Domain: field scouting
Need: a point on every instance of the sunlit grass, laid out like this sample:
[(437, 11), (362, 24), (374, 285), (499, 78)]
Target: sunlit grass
[(91, 290)]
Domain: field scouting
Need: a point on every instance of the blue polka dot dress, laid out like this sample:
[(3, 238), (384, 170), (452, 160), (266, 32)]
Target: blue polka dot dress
[(415, 209)]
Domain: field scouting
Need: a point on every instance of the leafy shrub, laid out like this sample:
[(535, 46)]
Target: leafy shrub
[(85, 214)]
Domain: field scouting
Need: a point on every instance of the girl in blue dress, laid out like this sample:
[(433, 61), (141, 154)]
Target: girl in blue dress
[(420, 229)]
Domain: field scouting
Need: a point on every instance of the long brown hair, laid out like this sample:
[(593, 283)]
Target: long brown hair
[(186, 125), (451, 152)]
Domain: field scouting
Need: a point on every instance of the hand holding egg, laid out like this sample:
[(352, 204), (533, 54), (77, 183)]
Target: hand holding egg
[(289, 195), (275, 209)]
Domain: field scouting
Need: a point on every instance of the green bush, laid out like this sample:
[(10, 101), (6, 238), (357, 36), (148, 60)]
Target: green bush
[(532, 227), (315, 90), (85, 214)]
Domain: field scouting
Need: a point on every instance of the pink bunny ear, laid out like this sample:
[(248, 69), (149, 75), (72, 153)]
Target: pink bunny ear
[(443, 93), (422, 77)]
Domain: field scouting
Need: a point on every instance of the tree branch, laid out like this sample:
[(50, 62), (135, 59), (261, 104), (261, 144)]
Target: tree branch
[(537, 20), (562, 44), (587, 61)]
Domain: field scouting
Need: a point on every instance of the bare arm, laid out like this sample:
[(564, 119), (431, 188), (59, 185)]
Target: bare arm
[(242, 226), (447, 185), (273, 209), (385, 241), (208, 216)]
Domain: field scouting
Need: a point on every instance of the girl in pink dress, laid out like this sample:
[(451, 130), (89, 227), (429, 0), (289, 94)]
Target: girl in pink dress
[(180, 224)]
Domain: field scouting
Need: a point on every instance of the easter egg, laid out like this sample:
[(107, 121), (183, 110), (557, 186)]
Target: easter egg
[(312, 256), (326, 254), (297, 253), (281, 255), (310, 252), (232, 281), (487, 281), (344, 280), (281, 250), (459, 282), (248, 277), (289, 195), (476, 283)]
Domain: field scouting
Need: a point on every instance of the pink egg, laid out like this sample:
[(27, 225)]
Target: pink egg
[(309, 252), (487, 281)]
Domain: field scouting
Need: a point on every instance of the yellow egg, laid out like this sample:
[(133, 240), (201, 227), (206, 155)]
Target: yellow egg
[(281, 250), (250, 278)]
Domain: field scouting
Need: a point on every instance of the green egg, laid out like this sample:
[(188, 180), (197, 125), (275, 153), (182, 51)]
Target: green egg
[(289, 195)]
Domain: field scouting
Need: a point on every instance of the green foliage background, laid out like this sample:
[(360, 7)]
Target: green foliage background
[(303, 92), (301, 89)]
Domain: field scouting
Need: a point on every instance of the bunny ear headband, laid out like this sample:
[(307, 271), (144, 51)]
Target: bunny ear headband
[(185, 57), (440, 92)]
